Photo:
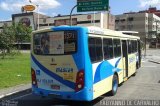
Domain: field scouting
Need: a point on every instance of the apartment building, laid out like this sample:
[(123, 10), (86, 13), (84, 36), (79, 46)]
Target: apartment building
[(147, 24), (153, 25)]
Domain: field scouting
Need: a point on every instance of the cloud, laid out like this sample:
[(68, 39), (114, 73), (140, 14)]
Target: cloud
[(53, 14), (146, 3), (45, 4), (4, 6), (15, 5), (40, 12)]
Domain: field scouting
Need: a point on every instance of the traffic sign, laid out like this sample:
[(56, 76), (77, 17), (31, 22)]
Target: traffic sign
[(92, 5)]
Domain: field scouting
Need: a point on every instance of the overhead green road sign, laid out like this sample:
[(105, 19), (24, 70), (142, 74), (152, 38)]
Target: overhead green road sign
[(92, 5)]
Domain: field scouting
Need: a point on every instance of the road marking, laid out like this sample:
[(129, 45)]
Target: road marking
[(149, 66), (21, 96), (1, 96)]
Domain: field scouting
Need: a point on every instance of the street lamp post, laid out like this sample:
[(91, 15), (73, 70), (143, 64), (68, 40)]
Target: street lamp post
[(37, 13), (71, 14)]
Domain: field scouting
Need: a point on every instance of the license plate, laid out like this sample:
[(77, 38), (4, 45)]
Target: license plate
[(55, 96)]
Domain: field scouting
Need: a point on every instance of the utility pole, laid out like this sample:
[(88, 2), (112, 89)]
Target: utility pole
[(156, 31), (38, 16), (108, 17)]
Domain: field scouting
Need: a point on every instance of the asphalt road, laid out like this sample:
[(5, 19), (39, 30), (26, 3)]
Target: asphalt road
[(144, 86)]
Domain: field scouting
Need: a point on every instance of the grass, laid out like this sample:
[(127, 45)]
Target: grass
[(15, 70)]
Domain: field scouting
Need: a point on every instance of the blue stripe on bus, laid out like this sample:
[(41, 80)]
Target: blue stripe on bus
[(82, 60), (104, 70), (48, 72), (116, 65)]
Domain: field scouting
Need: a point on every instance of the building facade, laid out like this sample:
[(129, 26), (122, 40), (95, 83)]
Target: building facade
[(146, 24), (151, 10), (153, 25), (30, 19), (103, 20), (38, 21)]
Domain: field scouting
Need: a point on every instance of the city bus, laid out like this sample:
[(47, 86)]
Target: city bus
[(81, 63)]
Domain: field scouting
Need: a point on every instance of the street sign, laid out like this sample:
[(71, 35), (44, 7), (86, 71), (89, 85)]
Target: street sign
[(92, 5)]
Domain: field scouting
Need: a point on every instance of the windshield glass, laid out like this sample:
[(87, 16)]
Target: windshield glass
[(55, 43)]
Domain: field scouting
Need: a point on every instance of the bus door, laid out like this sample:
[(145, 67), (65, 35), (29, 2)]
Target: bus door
[(139, 53), (125, 56)]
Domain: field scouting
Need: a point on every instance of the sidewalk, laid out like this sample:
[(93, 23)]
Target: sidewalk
[(152, 55), (14, 90)]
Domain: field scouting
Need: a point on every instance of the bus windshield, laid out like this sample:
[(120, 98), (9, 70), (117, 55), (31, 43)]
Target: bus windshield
[(55, 43)]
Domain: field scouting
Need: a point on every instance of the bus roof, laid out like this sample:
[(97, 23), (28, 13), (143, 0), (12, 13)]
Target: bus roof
[(42, 30), (93, 30), (129, 32), (108, 32)]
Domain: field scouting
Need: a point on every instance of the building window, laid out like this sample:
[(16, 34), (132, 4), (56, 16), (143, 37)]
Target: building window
[(123, 27), (130, 27), (153, 27), (116, 21), (123, 20), (130, 19)]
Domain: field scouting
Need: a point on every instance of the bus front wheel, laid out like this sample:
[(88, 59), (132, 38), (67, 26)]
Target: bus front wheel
[(114, 85)]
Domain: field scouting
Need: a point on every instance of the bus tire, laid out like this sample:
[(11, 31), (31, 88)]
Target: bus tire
[(137, 66), (114, 85), (134, 74)]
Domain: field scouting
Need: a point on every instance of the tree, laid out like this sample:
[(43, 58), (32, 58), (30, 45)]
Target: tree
[(22, 33), (6, 39), (16, 33)]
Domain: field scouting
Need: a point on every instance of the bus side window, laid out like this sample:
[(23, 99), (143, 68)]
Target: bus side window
[(129, 47), (133, 46), (99, 49), (92, 49), (117, 47), (136, 46), (95, 49), (108, 48)]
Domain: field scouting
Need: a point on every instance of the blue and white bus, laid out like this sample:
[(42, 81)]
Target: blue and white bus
[(81, 63)]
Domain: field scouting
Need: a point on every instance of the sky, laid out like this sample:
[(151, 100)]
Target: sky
[(63, 7)]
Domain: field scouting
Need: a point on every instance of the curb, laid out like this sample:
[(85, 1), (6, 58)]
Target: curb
[(15, 90)]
